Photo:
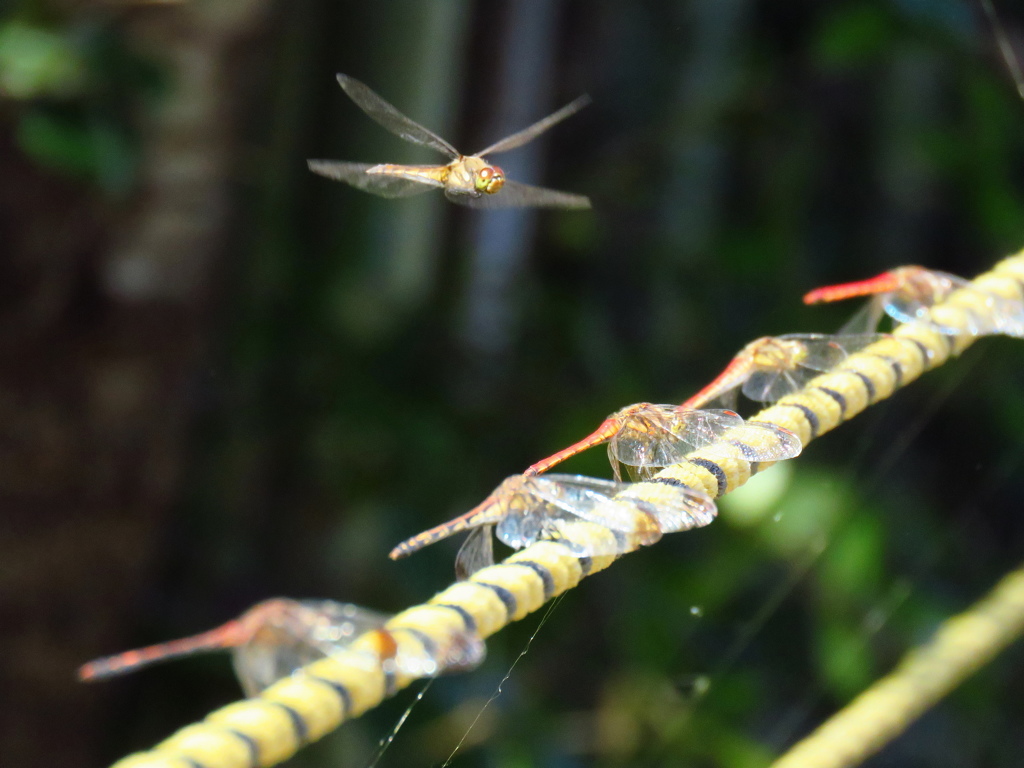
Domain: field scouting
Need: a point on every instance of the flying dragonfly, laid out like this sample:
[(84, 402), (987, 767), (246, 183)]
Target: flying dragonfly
[(525, 509), (907, 295), (466, 179), (646, 438), (275, 638), (772, 367)]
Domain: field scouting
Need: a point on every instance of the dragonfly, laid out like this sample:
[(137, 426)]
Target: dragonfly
[(646, 438), (907, 295), (525, 509), (275, 638), (466, 179), (772, 367)]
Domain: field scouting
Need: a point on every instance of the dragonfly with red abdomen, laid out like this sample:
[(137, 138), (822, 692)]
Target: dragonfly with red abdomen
[(275, 638), (907, 295), (592, 517), (466, 179), (772, 367), (646, 438)]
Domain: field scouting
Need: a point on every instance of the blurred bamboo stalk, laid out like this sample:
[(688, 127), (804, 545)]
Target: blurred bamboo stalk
[(167, 251), (962, 645)]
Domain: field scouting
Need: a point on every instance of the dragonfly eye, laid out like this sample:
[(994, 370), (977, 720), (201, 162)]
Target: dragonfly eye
[(489, 179)]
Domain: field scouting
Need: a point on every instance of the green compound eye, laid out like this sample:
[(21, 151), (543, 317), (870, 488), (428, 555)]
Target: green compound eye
[(490, 179)]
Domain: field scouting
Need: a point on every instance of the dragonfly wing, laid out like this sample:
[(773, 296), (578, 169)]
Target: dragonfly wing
[(819, 353), (281, 644), (582, 497), (389, 117), (338, 624), (677, 508), (681, 508), (645, 439), (549, 504), (727, 399), (865, 319), (383, 184), (789, 382), (258, 666), (756, 441), (476, 552), (529, 134), (516, 195), (915, 300), (724, 434), (826, 352), (763, 386), (299, 634)]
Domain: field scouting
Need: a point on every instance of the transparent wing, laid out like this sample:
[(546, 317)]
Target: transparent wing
[(825, 352), (925, 288), (516, 195), (767, 386), (913, 301), (385, 185), (296, 635), (458, 652), (668, 438), (726, 398), (547, 507), (819, 353), (529, 134), (999, 316), (865, 319), (582, 497), (646, 439), (758, 441), (476, 552), (677, 507), (389, 117)]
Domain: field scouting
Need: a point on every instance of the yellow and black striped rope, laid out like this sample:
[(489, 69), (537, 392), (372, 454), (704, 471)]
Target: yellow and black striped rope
[(302, 708)]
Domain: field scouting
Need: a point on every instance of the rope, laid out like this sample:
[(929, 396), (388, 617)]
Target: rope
[(961, 646), (302, 708)]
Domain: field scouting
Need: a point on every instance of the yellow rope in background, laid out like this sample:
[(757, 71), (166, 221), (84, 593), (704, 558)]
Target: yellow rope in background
[(302, 708), (961, 646)]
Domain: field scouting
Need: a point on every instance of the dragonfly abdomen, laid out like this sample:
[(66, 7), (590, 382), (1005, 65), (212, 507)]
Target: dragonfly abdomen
[(471, 519), (226, 636)]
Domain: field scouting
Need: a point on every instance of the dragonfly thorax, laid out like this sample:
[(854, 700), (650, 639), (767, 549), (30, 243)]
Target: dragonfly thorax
[(925, 285), (775, 354)]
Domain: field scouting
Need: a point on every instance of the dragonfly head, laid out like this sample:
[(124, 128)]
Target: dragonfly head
[(489, 179)]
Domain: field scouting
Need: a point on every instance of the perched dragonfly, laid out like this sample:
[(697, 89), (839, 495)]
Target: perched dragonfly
[(647, 437), (774, 366), (275, 638), (525, 509), (907, 294), (466, 179)]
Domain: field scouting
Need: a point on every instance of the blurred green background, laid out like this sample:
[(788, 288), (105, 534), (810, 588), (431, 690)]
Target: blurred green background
[(225, 379)]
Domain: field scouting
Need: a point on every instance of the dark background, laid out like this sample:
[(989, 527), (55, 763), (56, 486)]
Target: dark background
[(224, 379)]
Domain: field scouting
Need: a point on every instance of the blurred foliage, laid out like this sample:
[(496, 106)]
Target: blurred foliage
[(78, 89), (738, 154)]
